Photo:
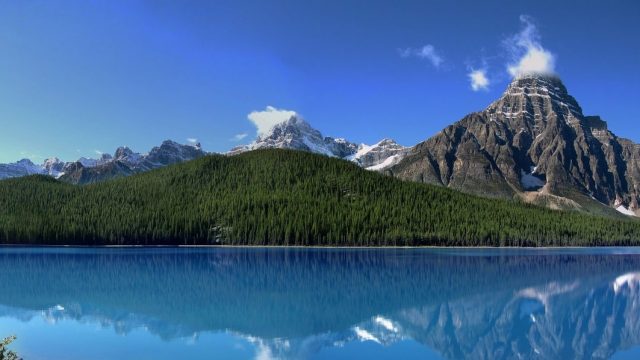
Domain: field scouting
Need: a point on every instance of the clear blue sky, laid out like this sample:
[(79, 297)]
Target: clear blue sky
[(81, 76)]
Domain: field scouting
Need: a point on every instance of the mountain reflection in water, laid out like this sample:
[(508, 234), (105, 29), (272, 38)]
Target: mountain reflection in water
[(296, 303)]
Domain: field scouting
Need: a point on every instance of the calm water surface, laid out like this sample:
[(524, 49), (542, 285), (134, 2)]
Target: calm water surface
[(240, 303)]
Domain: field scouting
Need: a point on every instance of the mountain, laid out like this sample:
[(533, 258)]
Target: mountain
[(23, 167), (53, 167), (296, 134), (125, 162), (87, 162), (534, 143), (280, 197)]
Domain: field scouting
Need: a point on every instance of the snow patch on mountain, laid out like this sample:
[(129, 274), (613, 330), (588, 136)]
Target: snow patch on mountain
[(379, 156), (624, 210), (387, 163)]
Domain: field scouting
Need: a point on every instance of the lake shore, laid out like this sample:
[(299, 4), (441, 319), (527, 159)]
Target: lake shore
[(308, 247)]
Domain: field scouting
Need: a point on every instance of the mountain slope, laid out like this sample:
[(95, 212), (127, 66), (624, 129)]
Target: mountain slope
[(280, 197), (534, 142)]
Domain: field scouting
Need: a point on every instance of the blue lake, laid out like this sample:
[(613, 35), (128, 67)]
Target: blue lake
[(268, 303)]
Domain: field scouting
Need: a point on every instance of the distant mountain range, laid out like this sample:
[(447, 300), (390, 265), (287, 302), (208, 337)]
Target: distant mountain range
[(124, 162), (533, 143)]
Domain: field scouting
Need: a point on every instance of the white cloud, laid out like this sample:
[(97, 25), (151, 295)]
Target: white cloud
[(239, 137), (265, 120), (427, 52), (479, 80), (192, 140), (99, 152), (529, 57)]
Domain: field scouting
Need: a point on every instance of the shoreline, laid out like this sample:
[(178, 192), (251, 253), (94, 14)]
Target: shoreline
[(309, 247)]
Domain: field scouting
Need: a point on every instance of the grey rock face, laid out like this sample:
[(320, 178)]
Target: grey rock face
[(535, 137)]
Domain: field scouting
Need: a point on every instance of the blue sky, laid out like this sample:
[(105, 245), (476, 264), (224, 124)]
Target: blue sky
[(78, 77)]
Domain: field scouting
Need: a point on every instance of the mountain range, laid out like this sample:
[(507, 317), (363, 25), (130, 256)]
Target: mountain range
[(124, 162), (534, 143)]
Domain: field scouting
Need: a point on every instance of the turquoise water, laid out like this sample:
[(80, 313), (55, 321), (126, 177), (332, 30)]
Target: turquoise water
[(258, 303)]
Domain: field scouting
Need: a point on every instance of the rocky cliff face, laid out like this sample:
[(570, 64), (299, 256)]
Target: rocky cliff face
[(533, 142)]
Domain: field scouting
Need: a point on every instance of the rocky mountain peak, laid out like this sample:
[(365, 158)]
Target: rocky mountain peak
[(297, 134), (536, 97), (533, 142), (53, 166), (122, 152), (25, 162), (290, 131)]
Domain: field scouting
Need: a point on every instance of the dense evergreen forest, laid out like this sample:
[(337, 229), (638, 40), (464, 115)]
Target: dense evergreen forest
[(283, 197)]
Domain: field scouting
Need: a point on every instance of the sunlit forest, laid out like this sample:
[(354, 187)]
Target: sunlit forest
[(283, 197)]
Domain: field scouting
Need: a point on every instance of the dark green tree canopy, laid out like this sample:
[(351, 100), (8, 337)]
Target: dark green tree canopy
[(282, 197)]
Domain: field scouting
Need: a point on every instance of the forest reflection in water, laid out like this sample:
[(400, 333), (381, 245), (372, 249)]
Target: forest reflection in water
[(294, 302)]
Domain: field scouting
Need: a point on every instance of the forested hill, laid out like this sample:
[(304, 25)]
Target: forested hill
[(282, 197)]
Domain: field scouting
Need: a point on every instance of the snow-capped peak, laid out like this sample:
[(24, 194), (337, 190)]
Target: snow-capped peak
[(295, 133)]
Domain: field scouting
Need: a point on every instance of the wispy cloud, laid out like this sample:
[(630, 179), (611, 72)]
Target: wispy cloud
[(266, 119), (527, 53), (30, 155), (239, 137), (98, 152), (478, 79), (192, 140), (427, 52)]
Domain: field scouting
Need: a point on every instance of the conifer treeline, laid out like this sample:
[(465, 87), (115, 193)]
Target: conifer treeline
[(280, 197)]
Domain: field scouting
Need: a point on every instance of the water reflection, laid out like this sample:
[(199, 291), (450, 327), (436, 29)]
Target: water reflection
[(293, 303)]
